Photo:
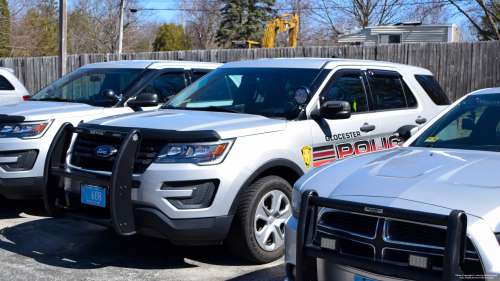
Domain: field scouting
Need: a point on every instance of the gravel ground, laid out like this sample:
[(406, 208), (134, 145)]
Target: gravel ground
[(36, 247)]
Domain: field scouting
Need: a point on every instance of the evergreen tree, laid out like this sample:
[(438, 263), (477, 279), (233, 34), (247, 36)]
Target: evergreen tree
[(170, 37), (244, 20), (45, 20), (5, 36)]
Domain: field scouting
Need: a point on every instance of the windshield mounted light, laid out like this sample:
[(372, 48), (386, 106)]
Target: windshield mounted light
[(24, 130), (203, 153)]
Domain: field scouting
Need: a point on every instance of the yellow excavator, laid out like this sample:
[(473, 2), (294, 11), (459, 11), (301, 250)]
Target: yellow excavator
[(273, 28), (279, 25)]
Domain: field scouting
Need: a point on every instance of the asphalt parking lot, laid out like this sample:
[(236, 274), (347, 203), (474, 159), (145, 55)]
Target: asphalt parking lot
[(34, 246)]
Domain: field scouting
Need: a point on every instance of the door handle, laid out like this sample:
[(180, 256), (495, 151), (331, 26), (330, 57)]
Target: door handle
[(420, 120), (367, 128)]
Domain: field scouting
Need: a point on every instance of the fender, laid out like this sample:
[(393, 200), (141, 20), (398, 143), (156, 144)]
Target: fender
[(269, 164)]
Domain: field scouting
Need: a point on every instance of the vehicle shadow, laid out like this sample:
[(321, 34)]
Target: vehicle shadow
[(68, 243), (11, 209)]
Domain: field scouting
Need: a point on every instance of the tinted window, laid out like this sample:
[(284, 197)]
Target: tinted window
[(263, 91), (432, 88), (86, 85), (387, 92), (349, 88), (474, 123), (195, 75), (410, 98), (5, 84), (166, 85)]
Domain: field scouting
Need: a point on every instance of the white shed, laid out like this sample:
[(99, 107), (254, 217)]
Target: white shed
[(408, 32)]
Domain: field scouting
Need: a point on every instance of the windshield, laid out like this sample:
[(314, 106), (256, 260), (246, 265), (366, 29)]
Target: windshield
[(474, 123), (262, 91), (85, 85)]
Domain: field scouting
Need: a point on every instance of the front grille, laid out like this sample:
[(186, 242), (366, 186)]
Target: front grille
[(394, 242), (416, 233), (353, 223), (355, 248), (83, 153)]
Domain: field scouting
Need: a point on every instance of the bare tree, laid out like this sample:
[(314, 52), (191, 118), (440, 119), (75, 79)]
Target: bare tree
[(202, 18), (99, 24), (483, 15)]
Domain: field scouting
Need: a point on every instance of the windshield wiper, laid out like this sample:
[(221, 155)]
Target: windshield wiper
[(55, 99), (214, 108), (169, 106)]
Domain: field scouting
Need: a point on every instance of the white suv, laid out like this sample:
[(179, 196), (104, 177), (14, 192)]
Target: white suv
[(11, 89), (219, 160), (27, 128)]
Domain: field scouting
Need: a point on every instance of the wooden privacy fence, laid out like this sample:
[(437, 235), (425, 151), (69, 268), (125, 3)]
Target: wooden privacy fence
[(460, 67)]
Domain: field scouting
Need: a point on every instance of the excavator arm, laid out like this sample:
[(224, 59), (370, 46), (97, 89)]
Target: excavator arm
[(279, 25)]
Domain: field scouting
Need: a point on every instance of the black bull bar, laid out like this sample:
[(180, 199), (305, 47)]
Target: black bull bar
[(307, 252), (119, 182)]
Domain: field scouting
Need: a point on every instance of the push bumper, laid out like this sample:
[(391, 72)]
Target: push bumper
[(120, 213), (22, 188), (312, 260)]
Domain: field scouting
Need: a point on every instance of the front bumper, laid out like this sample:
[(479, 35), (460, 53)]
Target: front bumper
[(22, 188), (314, 261), (126, 217)]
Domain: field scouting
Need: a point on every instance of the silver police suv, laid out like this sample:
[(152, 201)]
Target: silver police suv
[(218, 161), (27, 128)]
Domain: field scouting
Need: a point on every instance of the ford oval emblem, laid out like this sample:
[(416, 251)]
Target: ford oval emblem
[(105, 151)]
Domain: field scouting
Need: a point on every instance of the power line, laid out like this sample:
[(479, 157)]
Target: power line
[(277, 9)]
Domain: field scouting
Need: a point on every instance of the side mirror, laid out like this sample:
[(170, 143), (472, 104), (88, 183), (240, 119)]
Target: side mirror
[(109, 94), (144, 100), (302, 95), (467, 124), (405, 132), (333, 110)]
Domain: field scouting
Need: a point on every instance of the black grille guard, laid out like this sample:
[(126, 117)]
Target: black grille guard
[(307, 252), (119, 182)]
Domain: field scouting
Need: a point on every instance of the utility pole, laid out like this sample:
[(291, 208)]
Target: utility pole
[(120, 37), (63, 31), (184, 25)]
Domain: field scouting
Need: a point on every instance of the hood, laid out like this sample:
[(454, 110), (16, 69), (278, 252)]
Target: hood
[(452, 179), (43, 110), (227, 125)]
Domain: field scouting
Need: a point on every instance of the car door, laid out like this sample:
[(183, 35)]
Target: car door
[(394, 102), (337, 139)]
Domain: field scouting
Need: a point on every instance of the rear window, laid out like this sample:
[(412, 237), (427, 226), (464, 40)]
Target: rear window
[(5, 84), (433, 90)]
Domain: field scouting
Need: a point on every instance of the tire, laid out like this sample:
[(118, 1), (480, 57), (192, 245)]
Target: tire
[(257, 235)]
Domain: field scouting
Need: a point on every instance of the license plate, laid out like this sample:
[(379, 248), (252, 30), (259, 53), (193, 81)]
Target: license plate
[(93, 195), (361, 278)]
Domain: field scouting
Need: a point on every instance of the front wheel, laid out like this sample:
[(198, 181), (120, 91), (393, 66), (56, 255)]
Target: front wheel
[(257, 233)]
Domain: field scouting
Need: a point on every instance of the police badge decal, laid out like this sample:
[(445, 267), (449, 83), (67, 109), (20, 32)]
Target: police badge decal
[(306, 155)]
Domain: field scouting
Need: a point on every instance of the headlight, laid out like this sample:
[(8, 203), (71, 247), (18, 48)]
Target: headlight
[(27, 130), (296, 196), (207, 153)]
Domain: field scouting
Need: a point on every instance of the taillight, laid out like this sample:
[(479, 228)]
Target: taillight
[(26, 97)]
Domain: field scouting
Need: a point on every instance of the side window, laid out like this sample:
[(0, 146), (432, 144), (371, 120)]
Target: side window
[(349, 88), (166, 85), (387, 91), (5, 84), (433, 89), (410, 98), (195, 75)]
